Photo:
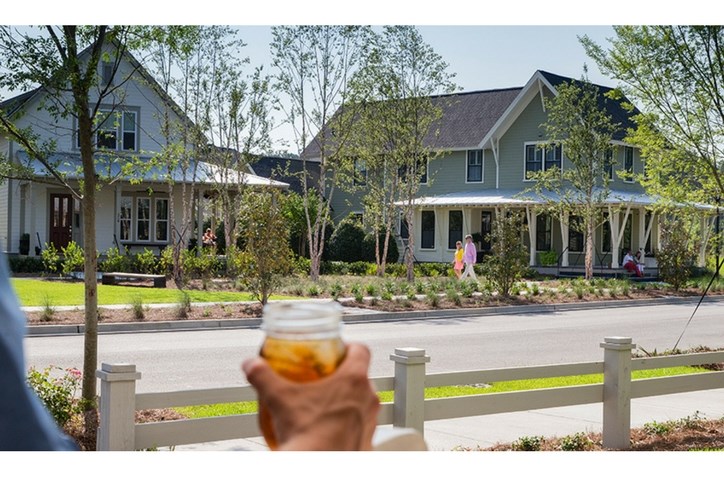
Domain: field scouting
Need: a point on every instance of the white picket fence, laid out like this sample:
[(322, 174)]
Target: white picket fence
[(119, 400)]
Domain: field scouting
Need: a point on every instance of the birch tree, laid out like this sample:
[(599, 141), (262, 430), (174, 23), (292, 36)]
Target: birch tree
[(314, 65), (580, 126), (396, 135)]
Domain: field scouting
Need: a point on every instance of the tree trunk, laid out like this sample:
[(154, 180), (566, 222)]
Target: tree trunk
[(90, 353), (589, 248), (410, 252)]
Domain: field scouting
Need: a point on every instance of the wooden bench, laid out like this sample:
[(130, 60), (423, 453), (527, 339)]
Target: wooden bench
[(111, 278)]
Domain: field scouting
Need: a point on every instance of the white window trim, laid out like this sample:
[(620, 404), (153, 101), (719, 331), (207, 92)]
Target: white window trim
[(482, 166), (153, 200), (543, 160), (131, 227), (434, 239), (137, 220), (155, 220), (119, 130), (462, 231)]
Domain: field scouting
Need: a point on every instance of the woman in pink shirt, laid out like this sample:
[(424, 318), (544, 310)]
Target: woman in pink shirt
[(469, 258)]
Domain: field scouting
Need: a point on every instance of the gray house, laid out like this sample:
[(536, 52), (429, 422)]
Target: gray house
[(492, 140)]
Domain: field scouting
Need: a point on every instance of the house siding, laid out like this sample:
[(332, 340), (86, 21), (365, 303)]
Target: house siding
[(526, 128)]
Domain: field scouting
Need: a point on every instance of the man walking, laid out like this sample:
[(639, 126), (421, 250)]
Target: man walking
[(469, 258)]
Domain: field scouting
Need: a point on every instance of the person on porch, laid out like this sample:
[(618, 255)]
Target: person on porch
[(631, 264), (469, 258)]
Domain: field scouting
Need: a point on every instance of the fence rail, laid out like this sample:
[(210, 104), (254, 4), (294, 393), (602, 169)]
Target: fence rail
[(119, 401)]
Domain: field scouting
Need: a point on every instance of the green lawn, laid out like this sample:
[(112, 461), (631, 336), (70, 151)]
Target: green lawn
[(455, 391), (34, 292)]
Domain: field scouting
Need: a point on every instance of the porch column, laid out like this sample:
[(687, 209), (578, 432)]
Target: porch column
[(614, 219), (564, 239), (642, 231), (705, 232), (117, 221), (199, 217), (467, 221), (530, 212)]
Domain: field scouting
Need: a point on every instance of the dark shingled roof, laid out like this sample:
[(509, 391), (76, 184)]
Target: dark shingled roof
[(286, 170), (619, 114), (466, 119), (469, 116)]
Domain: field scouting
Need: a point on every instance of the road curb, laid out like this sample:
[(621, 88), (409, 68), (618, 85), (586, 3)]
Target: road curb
[(204, 324)]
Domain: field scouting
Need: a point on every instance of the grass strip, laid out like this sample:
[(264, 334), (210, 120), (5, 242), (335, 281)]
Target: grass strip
[(218, 410), (33, 292)]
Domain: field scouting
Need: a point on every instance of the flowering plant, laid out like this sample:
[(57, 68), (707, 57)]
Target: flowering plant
[(58, 393)]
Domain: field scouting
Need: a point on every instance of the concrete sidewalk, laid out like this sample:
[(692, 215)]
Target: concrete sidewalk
[(481, 432)]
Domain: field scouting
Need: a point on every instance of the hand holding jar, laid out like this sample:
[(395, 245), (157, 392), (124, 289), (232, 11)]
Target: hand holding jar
[(307, 401)]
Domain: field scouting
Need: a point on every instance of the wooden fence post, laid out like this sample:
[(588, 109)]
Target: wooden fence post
[(617, 392), (117, 406), (409, 405)]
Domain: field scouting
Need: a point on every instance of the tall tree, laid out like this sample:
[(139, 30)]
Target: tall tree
[(675, 75), (578, 124), (65, 62), (395, 135), (314, 65)]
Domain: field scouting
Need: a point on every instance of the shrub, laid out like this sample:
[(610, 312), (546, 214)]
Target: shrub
[(368, 246), (183, 306), (114, 261), (532, 443), (347, 241), (509, 259), (57, 393), (145, 262), (50, 258), (25, 265), (576, 442), (48, 310), (548, 258), (676, 256), (73, 258), (137, 308)]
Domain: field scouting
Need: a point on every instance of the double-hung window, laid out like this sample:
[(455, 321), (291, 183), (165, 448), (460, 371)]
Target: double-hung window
[(116, 131), (543, 235), (539, 158), (455, 228), (144, 219), (475, 166), (427, 230)]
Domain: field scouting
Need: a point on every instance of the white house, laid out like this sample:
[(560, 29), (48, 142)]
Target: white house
[(134, 211)]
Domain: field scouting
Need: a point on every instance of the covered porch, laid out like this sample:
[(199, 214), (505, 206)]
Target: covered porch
[(627, 221)]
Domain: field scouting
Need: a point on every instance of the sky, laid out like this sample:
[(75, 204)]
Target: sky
[(486, 46)]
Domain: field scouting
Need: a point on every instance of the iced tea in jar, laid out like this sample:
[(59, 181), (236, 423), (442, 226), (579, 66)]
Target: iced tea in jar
[(302, 343)]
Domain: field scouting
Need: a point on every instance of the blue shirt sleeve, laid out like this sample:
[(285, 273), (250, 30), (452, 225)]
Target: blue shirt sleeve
[(25, 424)]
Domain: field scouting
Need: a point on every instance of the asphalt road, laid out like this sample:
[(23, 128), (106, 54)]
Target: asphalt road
[(211, 358)]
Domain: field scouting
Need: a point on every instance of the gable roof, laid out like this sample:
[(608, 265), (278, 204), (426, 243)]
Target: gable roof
[(474, 119), (14, 104), (614, 108), (466, 118)]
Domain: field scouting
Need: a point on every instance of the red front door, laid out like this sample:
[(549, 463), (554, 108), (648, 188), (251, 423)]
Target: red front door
[(61, 210)]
